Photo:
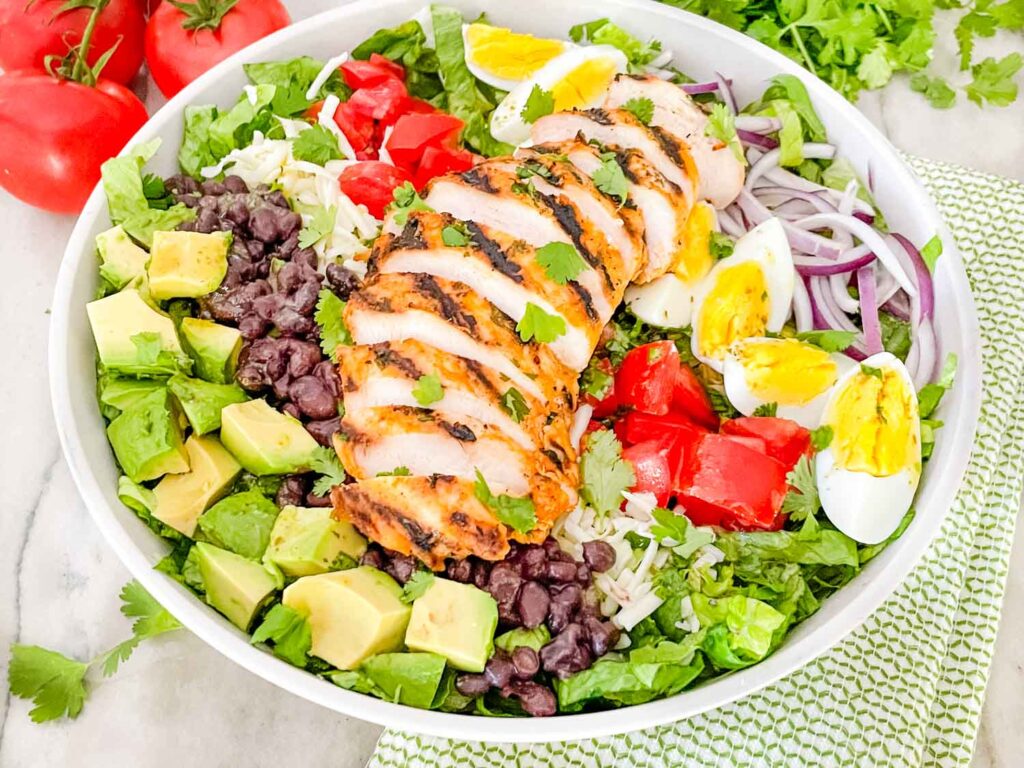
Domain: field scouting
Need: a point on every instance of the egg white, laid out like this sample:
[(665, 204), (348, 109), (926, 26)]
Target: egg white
[(865, 507), (768, 246), (507, 123), (665, 302)]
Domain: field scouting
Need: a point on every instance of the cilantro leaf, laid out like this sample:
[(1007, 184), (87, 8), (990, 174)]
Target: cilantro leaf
[(289, 633), (931, 251), (642, 109), (802, 500), (721, 245), (316, 145), (868, 370), (319, 226), (676, 531), (605, 474), (766, 409), (517, 513), (396, 472), (406, 200), (55, 683), (722, 126), (454, 237), (938, 92), (513, 403), (993, 80), (428, 389), (610, 179), (538, 104), (329, 316), (561, 261), (830, 341), (821, 438), (538, 324), (418, 583), (325, 462)]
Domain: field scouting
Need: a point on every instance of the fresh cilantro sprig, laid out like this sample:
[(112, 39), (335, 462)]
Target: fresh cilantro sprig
[(678, 533), (329, 316), (538, 104), (802, 500), (288, 632), (830, 341), (642, 109), (407, 200), (610, 179), (561, 261), (539, 325), (604, 473), (57, 685), (320, 225), (428, 389), (722, 126), (417, 584), (316, 145), (514, 404), (518, 513), (325, 462)]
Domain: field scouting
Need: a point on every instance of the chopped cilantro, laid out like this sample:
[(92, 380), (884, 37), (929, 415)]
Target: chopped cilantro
[(722, 126), (538, 104), (329, 316), (428, 389), (513, 403), (610, 179), (766, 409), (325, 462), (821, 438), (454, 236), (319, 226), (417, 584), (868, 370), (517, 513), (539, 325), (561, 261), (605, 474), (316, 145), (642, 109), (802, 500), (406, 200), (830, 341)]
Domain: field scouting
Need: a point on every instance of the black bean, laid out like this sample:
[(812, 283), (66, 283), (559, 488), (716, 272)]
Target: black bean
[(312, 500), (268, 306), (328, 374), (373, 557), (560, 572), (343, 281), (305, 256), (310, 394), (253, 326), (599, 555), (567, 653), (323, 430), (292, 492), (535, 699), (281, 387), (564, 602), (292, 410), (526, 662), (266, 224), (211, 187), (472, 685), (499, 670), (401, 567), (303, 356), (583, 575), (533, 561), (481, 573), (552, 548), (532, 604), (459, 570), (602, 635), (235, 184), (292, 323)]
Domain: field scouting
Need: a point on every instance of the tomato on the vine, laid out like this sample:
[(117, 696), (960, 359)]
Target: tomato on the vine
[(185, 38)]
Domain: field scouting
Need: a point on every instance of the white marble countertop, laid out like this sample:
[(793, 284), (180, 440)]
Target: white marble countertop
[(179, 702)]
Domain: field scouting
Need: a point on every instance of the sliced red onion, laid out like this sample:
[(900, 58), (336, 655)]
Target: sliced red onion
[(898, 306), (925, 285), (725, 91), (887, 287), (800, 240), (793, 210), (851, 260), (756, 139), (926, 342), (869, 310), (839, 285), (757, 124), (803, 314), (832, 315), (783, 178), (696, 89), (772, 196), (770, 161), (870, 237)]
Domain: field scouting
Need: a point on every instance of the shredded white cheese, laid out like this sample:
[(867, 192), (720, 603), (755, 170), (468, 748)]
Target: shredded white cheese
[(579, 424), (383, 154), (323, 75), (326, 119)]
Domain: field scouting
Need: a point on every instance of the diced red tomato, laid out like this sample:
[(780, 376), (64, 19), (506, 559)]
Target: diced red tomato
[(365, 74), (784, 440), (732, 485), (651, 469), (637, 427), (414, 133), (689, 397), (357, 127), (384, 101), (438, 161), (419, 106), (646, 380), (753, 443), (606, 406), (373, 184)]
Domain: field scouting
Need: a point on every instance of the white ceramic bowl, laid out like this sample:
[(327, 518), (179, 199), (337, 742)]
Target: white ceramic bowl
[(701, 48)]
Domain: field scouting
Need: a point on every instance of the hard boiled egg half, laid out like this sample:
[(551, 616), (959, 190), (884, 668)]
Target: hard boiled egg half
[(579, 78), (794, 375), (667, 301), (503, 58), (868, 475), (745, 294)]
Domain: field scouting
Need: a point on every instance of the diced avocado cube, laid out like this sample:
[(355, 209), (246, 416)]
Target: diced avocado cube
[(121, 259), (203, 402), (181, 499), (408, 678), (456, 621), (308, 540), (353, 614), (242, 523), (147, 438), (235, 586), (213, 347), (119, 320), (120, 393), (187, 264), (266, 441)]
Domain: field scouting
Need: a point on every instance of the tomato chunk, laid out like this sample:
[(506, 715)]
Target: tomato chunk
[(372, 183), (689, 397), (438, 161), (384, 101), (414, 133), (646, 380), (784, 440), (638, 427), (732, 485), (651, 469), (365, 74)]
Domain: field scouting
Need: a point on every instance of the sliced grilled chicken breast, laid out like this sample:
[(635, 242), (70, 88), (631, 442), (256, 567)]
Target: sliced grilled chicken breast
[(430, 518), (721, 174), (454, 318)]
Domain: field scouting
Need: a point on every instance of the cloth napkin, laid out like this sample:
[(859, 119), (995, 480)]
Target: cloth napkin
[(906, 688)]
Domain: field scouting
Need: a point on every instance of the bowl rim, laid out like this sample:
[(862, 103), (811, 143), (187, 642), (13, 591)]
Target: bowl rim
[(232, 643)]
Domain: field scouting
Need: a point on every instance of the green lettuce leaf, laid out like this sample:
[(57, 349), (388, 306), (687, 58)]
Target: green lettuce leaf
[(240, 523)]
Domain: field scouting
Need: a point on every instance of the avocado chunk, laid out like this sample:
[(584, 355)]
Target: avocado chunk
[(203, 402), (121, 259), (213, 347), (307, 540), (353, 614), (181, 499), (120, 393), (265, 441), (187, 264), (235, 586), (147, 438), (456, 621), (408, 678), (130, 334), (242, 523)]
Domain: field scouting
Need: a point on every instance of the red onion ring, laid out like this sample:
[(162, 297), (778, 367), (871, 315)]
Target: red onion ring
[(800, 240), (851, 261), (696, 89), (925, 286), (803, 312), (869, 310), (770, 161), (756, 139), (725, 91), (757, 124)]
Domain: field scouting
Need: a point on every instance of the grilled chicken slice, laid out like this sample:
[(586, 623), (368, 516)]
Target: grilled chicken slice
[(430, 518), (663, 206), (454, 318), (721, 174), (502, 270)]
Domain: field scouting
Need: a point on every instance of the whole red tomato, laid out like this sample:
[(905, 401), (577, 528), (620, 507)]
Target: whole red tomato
[(55, 134), (184, 38), (31, 31)]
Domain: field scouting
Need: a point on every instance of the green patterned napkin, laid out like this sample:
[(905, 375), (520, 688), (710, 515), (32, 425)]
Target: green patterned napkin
[(906, 688)]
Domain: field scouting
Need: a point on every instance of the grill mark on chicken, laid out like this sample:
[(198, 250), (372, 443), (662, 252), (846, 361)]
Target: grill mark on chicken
[(410, 238), (668, 144), (386, 356), (477, 370), (599, 116), (460, 432), (565, 215), (498, 258), (585, 298), (450, 311), (481, 181)]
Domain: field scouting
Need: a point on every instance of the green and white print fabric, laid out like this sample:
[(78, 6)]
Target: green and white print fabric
[(906, 688)]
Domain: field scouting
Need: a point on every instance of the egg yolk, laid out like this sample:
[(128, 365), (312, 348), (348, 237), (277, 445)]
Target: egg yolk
[(584, 85), (507, 54), (693, 260), (737, 307), (786, 371), (872, 419)]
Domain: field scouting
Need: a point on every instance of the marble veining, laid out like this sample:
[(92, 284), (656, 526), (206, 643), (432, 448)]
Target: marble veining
[(179, 702)]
